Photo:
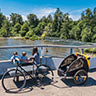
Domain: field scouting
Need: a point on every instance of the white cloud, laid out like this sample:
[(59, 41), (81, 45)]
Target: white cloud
[(78, 11), (75, 17), (43, 12), (76, 14), (24, 17), (40, 12), (8, 17)]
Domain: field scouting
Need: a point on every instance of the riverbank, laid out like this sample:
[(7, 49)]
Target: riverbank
[(16, 38), (3, 38), (22, 38)]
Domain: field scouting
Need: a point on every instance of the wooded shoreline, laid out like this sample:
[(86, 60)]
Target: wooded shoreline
[(59, 25)]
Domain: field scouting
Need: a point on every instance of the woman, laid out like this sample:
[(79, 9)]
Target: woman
[(35, 55)]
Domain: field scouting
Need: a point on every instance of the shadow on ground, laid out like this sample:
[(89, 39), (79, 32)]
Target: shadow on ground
[(70, 82), (92, 70), (32, 83)]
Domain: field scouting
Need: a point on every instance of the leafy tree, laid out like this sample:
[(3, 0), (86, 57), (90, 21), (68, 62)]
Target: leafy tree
[(34, 37), (88, 13), (16, 18), (16, 29), (48, 29), (5, 29), (75, 33), (24, 29), (32, 20), (30, 33), (2, 18), (83, 15), (64, 31), (40, 28), (59, 25), (86, 34), (57, 22), (43, 19), (49, 19), (66, 27)]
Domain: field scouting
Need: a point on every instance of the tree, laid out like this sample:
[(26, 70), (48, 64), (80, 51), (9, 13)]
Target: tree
[(94, 11), (48, 29), (16, 29), (86, 34), (75, 33), (43, 19), (30, 33), (66, 27), (24, 29), (88, 13), (49, 19), (83, 15), (57, 22), (64, 32), (40, 28), (5, 29), (2, 18), (32, 20), (16, 18)]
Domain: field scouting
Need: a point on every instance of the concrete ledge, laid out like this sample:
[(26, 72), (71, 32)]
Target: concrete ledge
[(53, 62)]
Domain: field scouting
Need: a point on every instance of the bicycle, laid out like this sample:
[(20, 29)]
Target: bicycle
[(16, 78)]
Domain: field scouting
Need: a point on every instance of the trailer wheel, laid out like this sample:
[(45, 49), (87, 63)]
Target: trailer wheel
[(80, 77)]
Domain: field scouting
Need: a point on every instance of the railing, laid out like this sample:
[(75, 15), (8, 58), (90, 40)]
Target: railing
[(54, 46), (6, 63), (43, 45)]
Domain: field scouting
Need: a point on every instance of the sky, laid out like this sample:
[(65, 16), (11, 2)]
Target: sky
[(46, 7)]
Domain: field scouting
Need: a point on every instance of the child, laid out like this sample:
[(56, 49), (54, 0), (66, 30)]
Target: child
[(24, 58), (15, 58)]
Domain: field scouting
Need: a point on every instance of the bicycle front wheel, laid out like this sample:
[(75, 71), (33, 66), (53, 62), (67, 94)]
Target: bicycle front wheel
[(13, 80)]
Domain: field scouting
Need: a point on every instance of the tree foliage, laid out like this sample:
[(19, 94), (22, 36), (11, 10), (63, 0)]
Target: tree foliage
[(59, 25)]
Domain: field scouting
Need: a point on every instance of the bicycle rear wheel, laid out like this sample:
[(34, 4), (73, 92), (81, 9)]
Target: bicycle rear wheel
[(13, 80), (45, 73)]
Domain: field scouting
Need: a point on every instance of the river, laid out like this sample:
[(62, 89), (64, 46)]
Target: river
[(62, 52)]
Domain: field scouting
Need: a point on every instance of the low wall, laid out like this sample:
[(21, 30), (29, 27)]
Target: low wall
[(53, 62)]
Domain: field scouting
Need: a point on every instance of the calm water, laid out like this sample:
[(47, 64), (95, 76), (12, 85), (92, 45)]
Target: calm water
[(7, 53)]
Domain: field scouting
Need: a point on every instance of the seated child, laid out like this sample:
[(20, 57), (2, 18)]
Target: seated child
[(24, 58), (15, 58)]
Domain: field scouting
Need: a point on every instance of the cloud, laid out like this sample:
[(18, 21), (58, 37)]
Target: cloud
[(76, 14), (44, 12), (40, 12), (77, 11), (8, 17), (24, 17), (75, 17)]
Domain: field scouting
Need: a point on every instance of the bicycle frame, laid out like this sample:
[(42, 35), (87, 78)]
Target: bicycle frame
[(21, 67)]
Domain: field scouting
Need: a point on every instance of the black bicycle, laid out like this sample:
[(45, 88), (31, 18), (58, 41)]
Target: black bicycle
[(14, 80)]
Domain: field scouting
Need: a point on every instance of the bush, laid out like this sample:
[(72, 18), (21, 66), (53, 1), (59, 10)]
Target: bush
[(34, 37), (90, 50), (30, 33), (44, 35)]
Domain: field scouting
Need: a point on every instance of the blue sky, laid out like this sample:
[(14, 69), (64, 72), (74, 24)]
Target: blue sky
[(45, 7)]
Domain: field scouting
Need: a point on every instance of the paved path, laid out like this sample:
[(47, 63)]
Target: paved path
[(59, 88)]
